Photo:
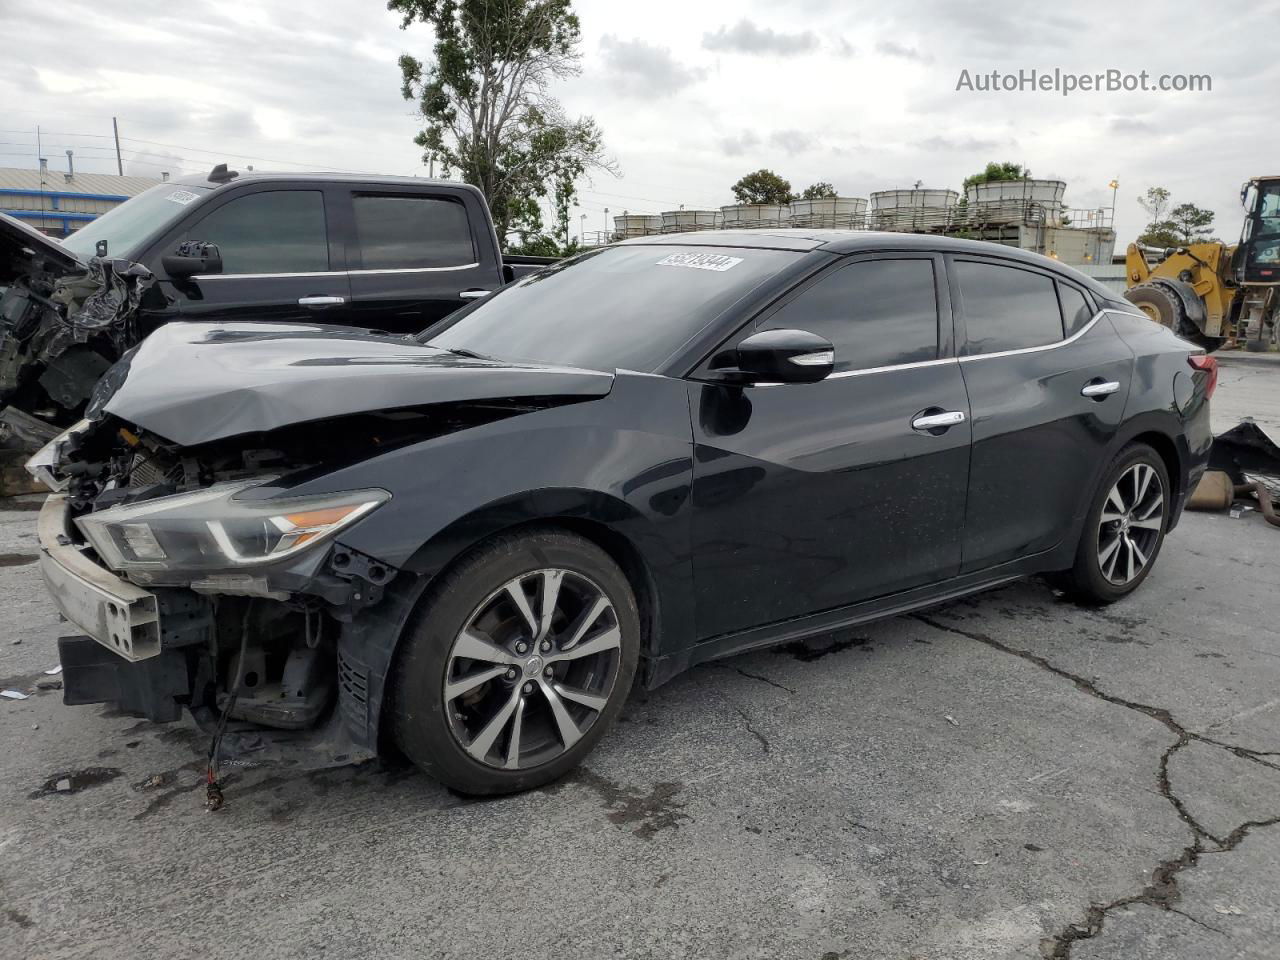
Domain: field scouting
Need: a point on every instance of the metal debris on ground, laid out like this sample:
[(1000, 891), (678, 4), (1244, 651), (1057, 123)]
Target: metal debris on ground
[(49, 684), (13, 694), (53, 671), (951, 720), (63, 785)]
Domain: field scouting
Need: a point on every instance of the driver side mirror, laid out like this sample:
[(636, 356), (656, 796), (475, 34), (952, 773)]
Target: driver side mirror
[(777, 356), (192, 257)]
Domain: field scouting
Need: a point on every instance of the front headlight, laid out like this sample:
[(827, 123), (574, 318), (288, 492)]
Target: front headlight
[(212, 530)]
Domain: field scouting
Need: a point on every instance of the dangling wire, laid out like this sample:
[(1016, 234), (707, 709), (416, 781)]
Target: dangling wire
[(213, 788)]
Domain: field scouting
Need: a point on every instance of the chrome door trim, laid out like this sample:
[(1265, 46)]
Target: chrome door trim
[(1047, 346), (461, 266), (326, 273), (1100, 389), (919, 364), (932, 421)]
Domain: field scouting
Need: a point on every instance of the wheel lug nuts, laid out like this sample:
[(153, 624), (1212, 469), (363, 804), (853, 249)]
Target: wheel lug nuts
[(512, 673), (548, 673), (522, 647), (528, 687), (546, 646)]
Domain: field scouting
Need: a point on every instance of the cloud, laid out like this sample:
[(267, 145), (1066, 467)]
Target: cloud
[(639, 69), (736, 146), (948, 144), (843, 48), (891, 49), (746, 37), (793, 141)]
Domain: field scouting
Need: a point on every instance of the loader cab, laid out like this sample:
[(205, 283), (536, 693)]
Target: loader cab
[(1258, 257)]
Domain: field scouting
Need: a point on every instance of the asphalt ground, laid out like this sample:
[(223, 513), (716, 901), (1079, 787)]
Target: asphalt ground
[(1007, 776)]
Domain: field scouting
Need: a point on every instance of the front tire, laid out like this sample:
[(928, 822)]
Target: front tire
[(519, 661), (1124, 529)]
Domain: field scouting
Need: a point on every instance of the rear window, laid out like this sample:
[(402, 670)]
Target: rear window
[(1006, 308), (1076, 309), (407, 233)]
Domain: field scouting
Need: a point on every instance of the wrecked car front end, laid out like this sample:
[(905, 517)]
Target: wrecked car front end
[(193, 573)]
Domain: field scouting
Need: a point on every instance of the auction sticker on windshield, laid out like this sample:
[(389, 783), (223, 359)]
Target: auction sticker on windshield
[(701, 261), (182, 196)]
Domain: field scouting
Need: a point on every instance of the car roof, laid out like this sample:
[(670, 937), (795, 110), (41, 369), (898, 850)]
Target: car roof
[(261, 176), (844, 242)]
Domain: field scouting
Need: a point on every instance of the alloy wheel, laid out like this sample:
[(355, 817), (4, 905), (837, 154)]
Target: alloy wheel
[(1131, 524), (532, 669)]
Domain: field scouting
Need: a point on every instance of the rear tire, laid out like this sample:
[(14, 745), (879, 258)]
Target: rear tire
[(1124, 529), (1163, 306), (498, 689)]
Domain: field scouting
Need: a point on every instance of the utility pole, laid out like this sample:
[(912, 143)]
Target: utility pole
[(115, 128)]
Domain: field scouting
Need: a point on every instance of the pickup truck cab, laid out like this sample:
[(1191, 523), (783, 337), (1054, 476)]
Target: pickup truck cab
[(387, 253)]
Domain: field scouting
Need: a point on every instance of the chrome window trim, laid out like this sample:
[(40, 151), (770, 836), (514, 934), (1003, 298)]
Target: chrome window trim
[(328, 273), (1046, 346), (894, 366), (461, 266)]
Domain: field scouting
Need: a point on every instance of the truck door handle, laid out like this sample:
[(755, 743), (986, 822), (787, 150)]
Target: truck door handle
[(1099, 390), (473, 294), (934, 421), (321, 301)]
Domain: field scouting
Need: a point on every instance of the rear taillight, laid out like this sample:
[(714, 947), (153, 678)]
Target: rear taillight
[(1202, 361)]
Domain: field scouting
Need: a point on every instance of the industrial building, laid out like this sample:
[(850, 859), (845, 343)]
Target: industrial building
[(1028, 214), (60, 202)]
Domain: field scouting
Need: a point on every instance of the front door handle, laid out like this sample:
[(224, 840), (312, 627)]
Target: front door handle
[(1098, 390), (934, 421), (315, 302), (473, 294)]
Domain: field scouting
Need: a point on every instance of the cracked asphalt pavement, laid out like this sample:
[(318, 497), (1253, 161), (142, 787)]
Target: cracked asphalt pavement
[(1006, 776)]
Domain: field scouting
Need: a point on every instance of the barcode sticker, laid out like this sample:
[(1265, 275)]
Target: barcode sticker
[(701, 261), (182, 196)]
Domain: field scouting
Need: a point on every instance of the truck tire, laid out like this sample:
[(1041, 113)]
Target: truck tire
[(1163, 306), (499, 689)]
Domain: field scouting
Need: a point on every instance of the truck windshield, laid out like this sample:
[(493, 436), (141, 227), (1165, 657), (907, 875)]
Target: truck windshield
[(628, 306), (135, 221)]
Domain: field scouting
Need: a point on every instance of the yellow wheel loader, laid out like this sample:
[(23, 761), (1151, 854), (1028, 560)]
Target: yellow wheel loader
[(1212, 293)]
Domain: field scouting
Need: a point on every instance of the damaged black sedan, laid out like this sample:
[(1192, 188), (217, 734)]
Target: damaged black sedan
[(469, 544)]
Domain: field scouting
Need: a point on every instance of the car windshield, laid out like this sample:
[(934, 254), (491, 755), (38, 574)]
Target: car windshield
[(127, 226), (628, 306)]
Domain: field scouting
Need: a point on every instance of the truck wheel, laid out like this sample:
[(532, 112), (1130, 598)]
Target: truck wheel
[(1124, 529), (518, 663), (1164, 307)]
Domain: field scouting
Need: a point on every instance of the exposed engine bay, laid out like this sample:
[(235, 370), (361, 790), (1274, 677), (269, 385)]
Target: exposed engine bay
[(62, 324)]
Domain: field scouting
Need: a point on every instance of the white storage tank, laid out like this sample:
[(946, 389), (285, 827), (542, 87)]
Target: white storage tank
[(746, 216), (682, 221), (1016, 201), (912, 209), (636, 225), (829, 212)]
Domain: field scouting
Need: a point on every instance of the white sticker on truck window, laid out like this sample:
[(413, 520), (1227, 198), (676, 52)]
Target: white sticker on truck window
[(701, 261), (182, 196)]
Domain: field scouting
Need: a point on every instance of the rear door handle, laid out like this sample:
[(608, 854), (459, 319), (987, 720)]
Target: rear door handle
[(473, 294), (932, 421), (321, 301), (1099, 390)]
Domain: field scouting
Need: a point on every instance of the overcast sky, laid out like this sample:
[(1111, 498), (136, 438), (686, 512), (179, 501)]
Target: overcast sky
[(690, 95)]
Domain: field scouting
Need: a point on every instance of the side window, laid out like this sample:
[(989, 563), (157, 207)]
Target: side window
[(1076, 310), (876, 312), (279, 231), (1006, 308), (406, 233)]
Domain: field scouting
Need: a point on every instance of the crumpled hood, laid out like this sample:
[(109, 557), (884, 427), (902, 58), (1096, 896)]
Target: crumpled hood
[(21, 244), (193, 383)]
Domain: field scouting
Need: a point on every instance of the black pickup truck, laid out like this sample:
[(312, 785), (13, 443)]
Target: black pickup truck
[(388, 253)]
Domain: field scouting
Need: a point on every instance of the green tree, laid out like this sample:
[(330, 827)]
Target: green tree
[(763, 186), (484, 99), (1160, 233), (1193, 224), (998, 171), (1155, 201), (817, 191)]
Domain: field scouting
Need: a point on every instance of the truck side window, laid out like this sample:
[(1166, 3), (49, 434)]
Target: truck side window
[(407, 233), (277, 231)]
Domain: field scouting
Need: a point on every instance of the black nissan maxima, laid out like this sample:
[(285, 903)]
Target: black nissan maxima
[(469, 544)]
